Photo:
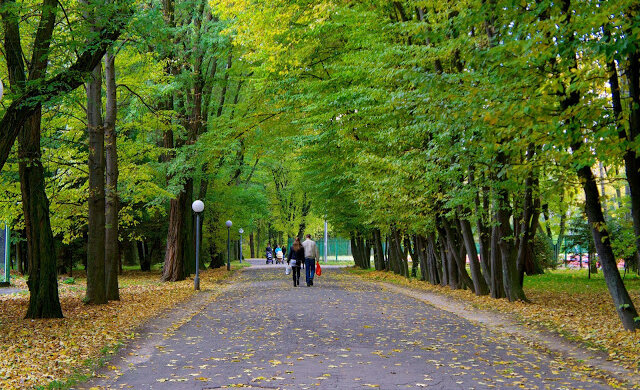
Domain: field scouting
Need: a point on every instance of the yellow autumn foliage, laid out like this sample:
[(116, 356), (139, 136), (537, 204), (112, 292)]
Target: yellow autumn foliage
[(36, 352)]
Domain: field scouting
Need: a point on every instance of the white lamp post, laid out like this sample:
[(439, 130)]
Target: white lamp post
[(241, 231), (1, 89), (198, 208), (229, 224)]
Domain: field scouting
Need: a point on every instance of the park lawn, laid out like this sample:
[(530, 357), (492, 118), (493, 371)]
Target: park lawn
[(564, 301), (54, 352)]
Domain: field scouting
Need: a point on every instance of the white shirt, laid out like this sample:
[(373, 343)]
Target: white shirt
[(310, 249)]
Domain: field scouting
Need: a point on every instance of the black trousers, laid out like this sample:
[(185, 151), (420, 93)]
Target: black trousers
[(295, 273)]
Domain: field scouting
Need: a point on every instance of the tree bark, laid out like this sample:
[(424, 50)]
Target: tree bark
[(621, 299), (173, 265), (631, 160), (378, 252), (96, 281), (44, 301), (508, 252), (484, 233), (112, 247), (252, 247), (479, 284), (496, 287), (457, 252), (143, 255), (442, 249), (432, 260)]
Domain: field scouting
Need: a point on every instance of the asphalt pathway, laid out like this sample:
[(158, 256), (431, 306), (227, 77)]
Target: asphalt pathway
[(342, 333)]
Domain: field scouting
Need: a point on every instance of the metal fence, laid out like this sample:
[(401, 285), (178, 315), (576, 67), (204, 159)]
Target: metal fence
[(338, 249), (5, 245)]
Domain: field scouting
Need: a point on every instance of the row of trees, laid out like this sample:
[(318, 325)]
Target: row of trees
[(444, 124), (430, 125), (168, 113)]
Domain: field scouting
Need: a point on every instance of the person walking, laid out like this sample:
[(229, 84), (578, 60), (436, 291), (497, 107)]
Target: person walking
[(295, 260), (311, 255)]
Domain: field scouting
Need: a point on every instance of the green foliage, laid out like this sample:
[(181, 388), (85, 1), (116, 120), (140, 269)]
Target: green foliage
[(544, 256)]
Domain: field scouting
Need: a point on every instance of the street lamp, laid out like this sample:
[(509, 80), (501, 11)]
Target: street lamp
[(241, 231), (229, 223), (198, 208)]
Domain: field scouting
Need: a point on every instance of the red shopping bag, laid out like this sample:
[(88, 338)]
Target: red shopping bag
[(318, 269)]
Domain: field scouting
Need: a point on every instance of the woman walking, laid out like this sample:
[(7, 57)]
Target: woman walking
[(295, 260)]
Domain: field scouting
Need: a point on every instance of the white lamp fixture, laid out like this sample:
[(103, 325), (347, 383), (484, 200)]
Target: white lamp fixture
[(229, 223), (197, 206), (241, 231)]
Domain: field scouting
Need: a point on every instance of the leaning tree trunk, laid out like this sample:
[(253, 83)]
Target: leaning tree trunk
[(112, 247), (631, 160), (623, 303)]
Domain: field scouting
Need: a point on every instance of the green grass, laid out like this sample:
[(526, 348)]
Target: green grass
[(339, 262), (575, 281), (238, 264)]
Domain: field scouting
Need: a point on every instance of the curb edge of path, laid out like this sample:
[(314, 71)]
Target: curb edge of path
[(544, 339)]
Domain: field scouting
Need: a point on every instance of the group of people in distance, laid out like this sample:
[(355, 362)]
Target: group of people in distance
[(301, 254)]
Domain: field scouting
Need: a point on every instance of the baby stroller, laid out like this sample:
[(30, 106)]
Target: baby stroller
[(269, 258), (279, 257)]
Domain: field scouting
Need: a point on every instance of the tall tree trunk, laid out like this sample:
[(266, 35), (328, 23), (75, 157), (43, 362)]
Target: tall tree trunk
[(421, 256), (510, 278), (457, 251), (484, 233), (479, 284), (173, 261), (44, 301), (252, 247), (442, 250), (112, 247), (43, 283), (188, 239), (378, 251), (432, 260), (143, 255), (96, 286)]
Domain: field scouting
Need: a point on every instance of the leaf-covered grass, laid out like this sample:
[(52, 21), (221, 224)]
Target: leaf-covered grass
[(38, 352), (564, 301)]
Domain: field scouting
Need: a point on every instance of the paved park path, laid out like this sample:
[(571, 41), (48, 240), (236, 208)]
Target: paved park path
[(342, 333)]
